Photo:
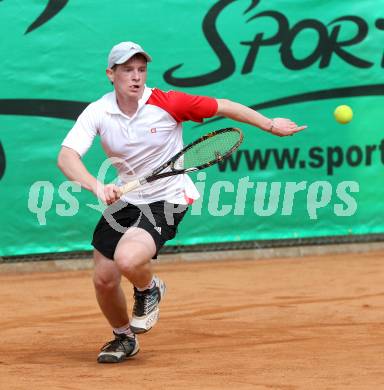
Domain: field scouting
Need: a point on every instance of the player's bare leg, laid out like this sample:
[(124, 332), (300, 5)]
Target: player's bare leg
[(109, 293), (133, 256), (111, 300)]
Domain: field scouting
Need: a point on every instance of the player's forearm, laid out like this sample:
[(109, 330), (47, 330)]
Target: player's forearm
[(241, 113), (73, 168)]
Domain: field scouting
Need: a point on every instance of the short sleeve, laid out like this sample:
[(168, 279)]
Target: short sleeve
[(80, 137), (183, 106)]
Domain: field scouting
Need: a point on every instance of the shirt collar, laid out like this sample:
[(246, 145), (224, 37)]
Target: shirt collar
[(113, 107)]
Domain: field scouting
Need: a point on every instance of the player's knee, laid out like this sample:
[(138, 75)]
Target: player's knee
[(129, 264), (105, 284), (126, 265)]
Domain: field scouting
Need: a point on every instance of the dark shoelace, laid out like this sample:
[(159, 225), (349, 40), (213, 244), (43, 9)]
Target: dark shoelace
[(141, 303), (115, 344), (145, 300)]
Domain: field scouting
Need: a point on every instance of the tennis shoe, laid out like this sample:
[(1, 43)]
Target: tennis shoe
[(119, 349), (146, 307)]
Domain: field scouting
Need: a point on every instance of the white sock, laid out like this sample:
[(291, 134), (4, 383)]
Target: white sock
[(148, 286), (126, 329)]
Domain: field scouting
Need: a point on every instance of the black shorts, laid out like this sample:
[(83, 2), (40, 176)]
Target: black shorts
[(159, 219)]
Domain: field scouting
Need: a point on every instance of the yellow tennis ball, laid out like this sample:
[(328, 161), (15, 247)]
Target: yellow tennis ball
[(343, 114)]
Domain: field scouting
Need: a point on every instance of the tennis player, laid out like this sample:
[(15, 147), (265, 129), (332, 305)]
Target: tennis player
[(140, 127)]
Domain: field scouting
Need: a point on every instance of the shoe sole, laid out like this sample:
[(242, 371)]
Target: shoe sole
[(144, 325), (112, 359)]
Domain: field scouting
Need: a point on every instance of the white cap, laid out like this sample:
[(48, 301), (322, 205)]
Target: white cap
[(124, 51)]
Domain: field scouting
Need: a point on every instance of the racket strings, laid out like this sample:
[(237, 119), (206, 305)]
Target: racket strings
[(210, 149)]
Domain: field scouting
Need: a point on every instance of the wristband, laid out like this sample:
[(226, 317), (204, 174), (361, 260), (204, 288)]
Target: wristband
[(272, 125)]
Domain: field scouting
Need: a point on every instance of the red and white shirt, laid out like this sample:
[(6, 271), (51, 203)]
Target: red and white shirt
[(139, 144)]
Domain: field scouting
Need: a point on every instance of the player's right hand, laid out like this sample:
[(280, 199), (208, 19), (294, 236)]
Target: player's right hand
[(108, 194)]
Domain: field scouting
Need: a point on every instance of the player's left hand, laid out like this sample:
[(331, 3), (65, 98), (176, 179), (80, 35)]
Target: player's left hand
[(283, 127)]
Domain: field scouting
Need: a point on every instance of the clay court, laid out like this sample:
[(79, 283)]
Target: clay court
[(314, 322)]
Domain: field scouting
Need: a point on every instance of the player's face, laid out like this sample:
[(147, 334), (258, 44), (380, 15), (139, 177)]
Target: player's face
[(129, 78)]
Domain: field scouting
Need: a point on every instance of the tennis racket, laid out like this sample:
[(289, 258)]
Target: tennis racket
[(202, 153)]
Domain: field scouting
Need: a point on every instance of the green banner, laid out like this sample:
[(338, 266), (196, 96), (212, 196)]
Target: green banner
[(294, 59)]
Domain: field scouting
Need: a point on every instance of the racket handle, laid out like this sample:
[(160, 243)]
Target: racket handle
[(129, 186)]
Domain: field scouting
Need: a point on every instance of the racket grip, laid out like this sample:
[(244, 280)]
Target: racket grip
[(129, 186)]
